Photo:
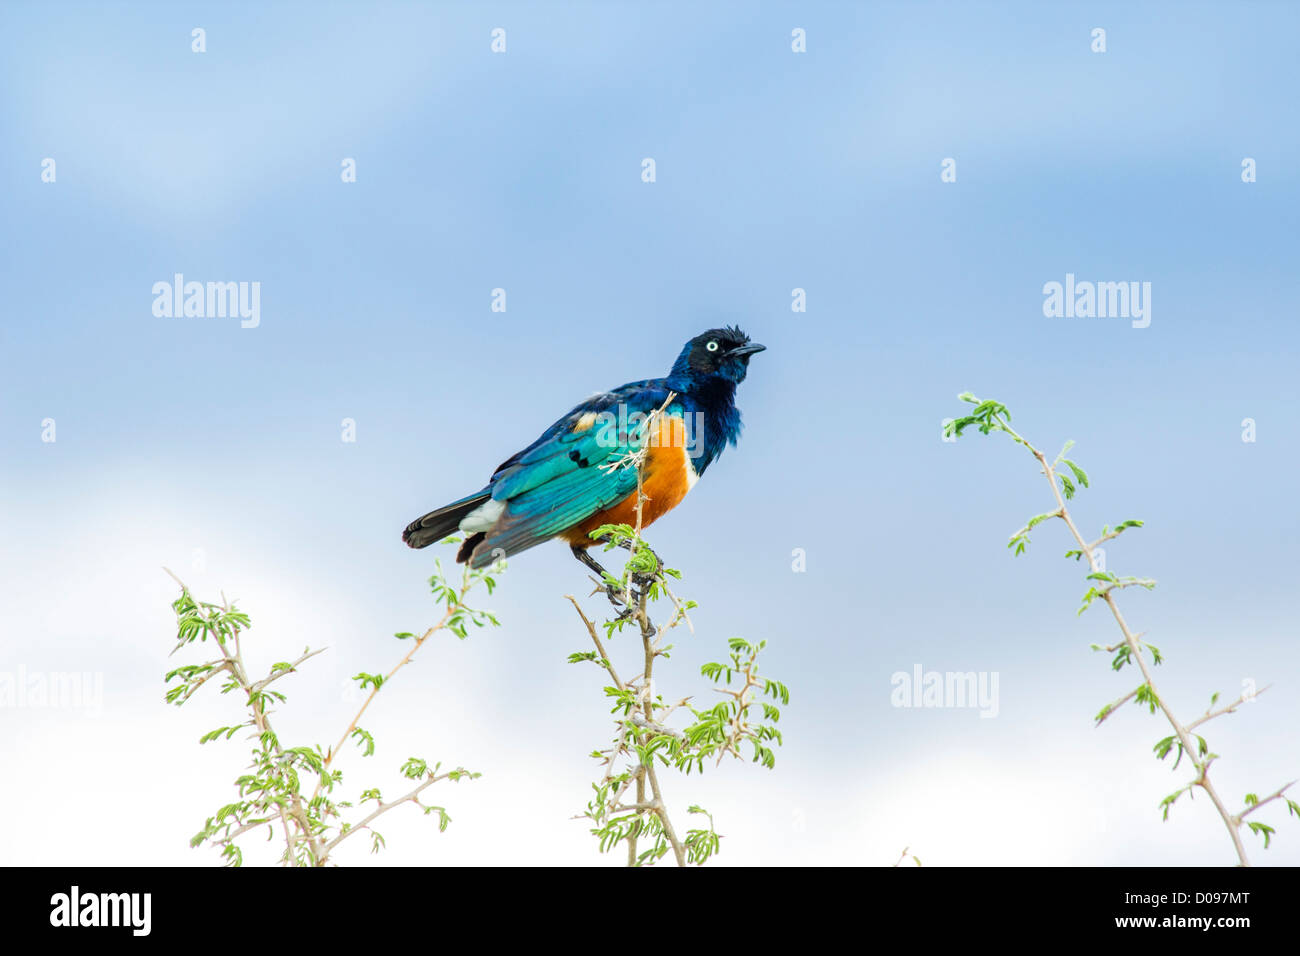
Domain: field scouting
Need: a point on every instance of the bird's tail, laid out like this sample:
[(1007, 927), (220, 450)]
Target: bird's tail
[(436, 525)]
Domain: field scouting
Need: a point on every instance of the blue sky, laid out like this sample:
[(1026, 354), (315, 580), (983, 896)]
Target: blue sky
[(216, 450)]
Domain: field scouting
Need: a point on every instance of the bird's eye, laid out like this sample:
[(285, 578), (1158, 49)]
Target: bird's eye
[(712, 346)]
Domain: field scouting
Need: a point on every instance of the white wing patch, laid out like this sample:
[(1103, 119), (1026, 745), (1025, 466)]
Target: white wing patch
[(483, 517)]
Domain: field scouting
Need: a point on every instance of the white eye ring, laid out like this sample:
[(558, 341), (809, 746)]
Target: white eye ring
[(712, 346)]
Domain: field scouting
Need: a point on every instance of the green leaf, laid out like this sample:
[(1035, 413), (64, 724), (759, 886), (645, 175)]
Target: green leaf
[(1079, 474), (1263, 829)]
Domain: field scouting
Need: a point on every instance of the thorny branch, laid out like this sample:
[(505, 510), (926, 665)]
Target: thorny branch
[(642, 732), (304, 821), (990, 416)]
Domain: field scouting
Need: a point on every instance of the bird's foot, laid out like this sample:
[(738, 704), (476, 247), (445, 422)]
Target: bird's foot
[(616, 595), (627, 600)]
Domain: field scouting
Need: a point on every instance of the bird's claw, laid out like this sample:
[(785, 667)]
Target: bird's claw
[(626, 600)]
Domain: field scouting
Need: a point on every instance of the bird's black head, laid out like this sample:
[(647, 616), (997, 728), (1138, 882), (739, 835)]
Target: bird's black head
[(717, 353)]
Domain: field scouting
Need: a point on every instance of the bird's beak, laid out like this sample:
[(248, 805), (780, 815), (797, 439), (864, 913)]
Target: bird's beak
[(746, 350)]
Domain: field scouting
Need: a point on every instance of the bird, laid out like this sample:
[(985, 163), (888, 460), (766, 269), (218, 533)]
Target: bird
[(581, 472)]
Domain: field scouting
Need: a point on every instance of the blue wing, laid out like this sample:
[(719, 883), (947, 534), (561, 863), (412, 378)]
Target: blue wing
[(572, 470)]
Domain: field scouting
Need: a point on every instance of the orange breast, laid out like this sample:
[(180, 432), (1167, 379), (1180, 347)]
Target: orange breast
[(666, 477)]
